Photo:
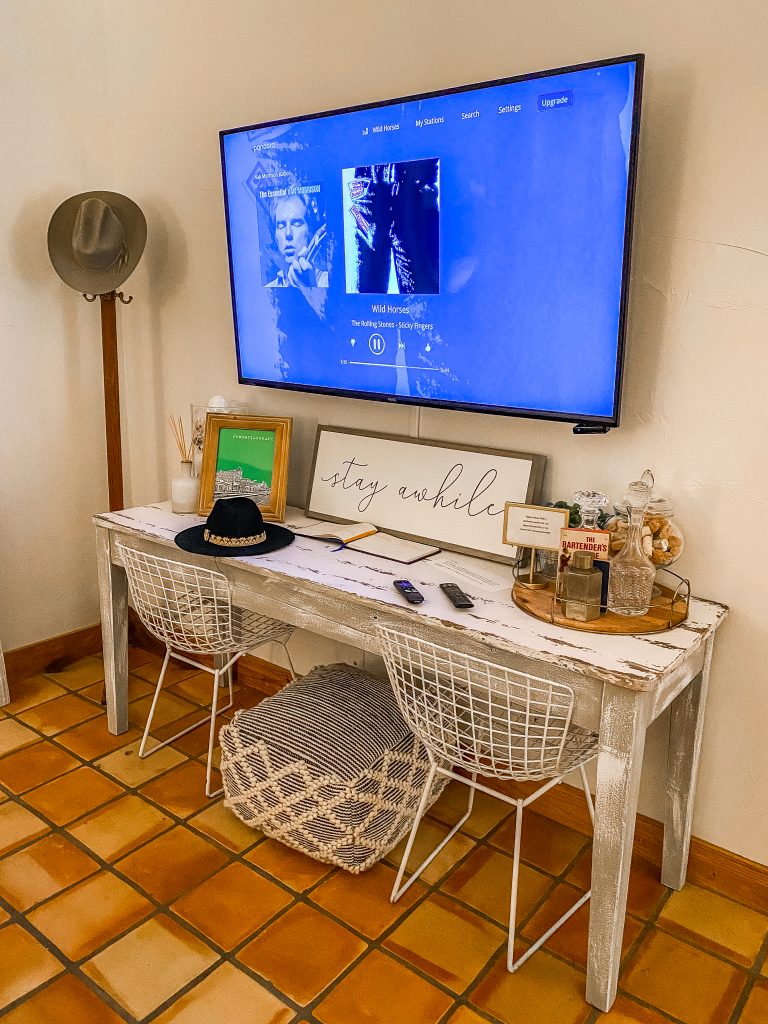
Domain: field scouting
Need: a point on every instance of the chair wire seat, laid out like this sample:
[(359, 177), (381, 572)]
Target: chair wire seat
[(189, 608), (476, 718)]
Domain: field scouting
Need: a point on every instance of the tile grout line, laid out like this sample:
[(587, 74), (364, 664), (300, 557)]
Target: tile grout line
[(434, 887), (648, 923), (752, 978), (104, 864), (160, 907), (157, 909), (483, 1015), (305, 897), (69, 967), (91, 763), (751, 973), (431, 889)]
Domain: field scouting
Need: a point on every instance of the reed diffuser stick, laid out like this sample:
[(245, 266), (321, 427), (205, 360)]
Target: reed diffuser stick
[(177, 429)]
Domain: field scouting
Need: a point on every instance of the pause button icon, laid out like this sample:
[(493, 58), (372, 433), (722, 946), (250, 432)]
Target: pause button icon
[(376, 344)]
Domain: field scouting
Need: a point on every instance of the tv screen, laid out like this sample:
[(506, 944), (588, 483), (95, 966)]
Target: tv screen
[(466, 249)]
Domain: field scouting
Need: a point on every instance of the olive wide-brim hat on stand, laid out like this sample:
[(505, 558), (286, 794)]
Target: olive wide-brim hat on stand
[(95, 241)]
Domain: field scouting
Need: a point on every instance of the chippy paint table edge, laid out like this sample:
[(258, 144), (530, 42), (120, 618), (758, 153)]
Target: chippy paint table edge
[(622, 683)]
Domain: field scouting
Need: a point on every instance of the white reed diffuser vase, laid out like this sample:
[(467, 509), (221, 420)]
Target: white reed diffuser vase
[(185, 489)]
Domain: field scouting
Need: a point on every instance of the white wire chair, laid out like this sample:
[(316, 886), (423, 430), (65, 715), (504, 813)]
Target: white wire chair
[(190, 609), (490, 721)]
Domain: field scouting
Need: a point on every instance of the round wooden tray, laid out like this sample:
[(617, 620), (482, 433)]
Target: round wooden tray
[(666, 612)]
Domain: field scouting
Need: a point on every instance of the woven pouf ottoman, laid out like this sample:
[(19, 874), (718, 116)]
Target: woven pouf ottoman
[(327, 766)]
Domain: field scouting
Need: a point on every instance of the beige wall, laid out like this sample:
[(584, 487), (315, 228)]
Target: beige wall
[(56, 136), (130, 96)]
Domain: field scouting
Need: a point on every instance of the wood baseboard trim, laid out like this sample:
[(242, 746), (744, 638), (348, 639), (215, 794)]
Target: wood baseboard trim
[(261, 675), (708, 865), (51, 655)]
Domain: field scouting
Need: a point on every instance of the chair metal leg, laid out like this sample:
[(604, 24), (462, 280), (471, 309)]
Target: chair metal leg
[(224, 670), (551, 931), (397, 892), (143, 752), (587, 794), (212, 732), (512, 964), (5, 693), (284, 645), (221, 660), (397, 889), (151, 714), (515, 882)]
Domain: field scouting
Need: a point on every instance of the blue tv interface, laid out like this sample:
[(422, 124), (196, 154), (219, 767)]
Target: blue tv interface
[(467, 249)]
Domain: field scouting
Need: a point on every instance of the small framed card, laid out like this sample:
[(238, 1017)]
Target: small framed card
[(534, 526)]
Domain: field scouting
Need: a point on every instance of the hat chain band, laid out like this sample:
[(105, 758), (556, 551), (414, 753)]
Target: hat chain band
[(233, 542)]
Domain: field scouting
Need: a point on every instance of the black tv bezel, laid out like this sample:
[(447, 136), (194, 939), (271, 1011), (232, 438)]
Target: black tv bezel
[(606, 422)]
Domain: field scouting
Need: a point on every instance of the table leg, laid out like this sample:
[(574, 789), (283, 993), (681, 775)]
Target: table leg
[(686, 725), (113, 599), (219, 660), (5, 693), (622, 740)]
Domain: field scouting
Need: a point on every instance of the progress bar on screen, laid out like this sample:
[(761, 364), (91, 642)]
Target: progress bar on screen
[(395, 366)]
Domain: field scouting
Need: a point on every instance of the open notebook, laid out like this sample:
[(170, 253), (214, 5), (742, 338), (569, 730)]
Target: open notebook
[(365, 537)]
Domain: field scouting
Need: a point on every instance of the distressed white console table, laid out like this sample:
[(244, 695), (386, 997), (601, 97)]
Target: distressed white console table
[(621, 683)]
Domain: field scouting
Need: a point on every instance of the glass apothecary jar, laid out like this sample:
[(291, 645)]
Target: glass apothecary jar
[(662, 539)]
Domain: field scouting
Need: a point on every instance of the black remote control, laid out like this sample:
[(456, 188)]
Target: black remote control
[(456, 595), (409, 592)]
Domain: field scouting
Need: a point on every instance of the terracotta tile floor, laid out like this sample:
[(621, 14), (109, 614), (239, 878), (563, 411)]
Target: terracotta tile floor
[(125, 895)]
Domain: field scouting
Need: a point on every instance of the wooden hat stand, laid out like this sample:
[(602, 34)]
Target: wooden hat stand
[(111, 394)]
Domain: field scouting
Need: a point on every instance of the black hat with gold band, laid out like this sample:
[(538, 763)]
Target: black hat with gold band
[(234, 527)]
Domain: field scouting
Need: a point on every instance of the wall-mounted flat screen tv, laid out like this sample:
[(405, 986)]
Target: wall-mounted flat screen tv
[(467, 248)]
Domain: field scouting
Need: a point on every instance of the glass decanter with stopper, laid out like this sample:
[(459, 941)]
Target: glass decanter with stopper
[(591, 504), (630, 584)]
